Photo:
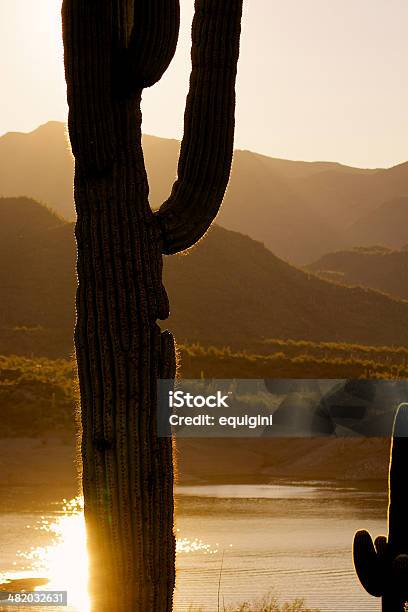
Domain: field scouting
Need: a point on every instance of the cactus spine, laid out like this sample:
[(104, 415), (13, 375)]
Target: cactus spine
[(113, 50), (382, 567)]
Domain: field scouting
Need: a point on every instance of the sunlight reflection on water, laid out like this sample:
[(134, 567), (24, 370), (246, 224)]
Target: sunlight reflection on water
[(294, 540), (64, 561)]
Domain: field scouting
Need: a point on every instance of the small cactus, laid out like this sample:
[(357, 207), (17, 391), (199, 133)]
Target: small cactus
[(382, 566)]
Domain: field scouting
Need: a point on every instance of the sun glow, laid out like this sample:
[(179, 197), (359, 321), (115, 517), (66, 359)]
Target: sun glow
[(63, 562)]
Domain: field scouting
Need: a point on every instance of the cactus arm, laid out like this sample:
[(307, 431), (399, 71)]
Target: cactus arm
[(132, 44), (398, 499), (152, 42), (88, 41), (383, 568), (381, 546), (207, 145), (367, 563)]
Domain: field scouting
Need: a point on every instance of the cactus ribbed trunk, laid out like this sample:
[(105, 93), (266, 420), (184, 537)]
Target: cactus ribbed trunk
[(113, 49), (121, 352)]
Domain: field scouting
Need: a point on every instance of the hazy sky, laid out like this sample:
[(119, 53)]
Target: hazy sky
[(318, 79)]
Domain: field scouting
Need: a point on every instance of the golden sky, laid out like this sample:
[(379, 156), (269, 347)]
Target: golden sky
[(318, 79)]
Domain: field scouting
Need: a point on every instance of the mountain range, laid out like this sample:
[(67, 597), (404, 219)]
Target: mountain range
[(229, 289), (376, 267), (299, 210)]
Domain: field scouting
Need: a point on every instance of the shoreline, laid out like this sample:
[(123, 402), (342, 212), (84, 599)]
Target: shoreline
[(49, 465)]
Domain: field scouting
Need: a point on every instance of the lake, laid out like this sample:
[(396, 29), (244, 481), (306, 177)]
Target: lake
[(292, 539)]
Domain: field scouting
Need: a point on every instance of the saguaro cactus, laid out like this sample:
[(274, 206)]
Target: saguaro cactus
[(382, 566), (114, 49)]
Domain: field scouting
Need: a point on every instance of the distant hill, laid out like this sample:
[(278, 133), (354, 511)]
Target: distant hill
[(349, 196), (37, 276), (375, 267), (385, 225), (39, 165), (25, 217), (299, 210), (263, 201), (227, 290), (249, 292)]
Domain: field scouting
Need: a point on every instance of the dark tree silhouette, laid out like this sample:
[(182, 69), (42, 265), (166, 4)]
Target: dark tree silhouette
[(382, 566), (114, 49)]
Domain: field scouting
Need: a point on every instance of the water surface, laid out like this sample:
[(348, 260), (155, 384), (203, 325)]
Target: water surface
[(293, 539)]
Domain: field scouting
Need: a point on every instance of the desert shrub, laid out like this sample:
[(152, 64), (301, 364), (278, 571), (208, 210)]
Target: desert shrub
[(38, 394), (268, 603)]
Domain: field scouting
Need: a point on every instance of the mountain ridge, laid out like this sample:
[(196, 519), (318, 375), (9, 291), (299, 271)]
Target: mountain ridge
[(378, 268), (299, 209), (228, 289)]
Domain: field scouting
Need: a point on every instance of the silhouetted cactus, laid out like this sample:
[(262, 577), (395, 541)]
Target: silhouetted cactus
[(382, 566), (113, 49)]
